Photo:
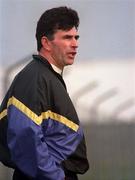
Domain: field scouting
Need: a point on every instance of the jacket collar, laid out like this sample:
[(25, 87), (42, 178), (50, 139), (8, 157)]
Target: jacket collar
[(47, 64)]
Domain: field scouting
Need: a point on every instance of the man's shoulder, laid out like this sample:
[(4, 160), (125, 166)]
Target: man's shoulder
[(29, 71), (34, 71)]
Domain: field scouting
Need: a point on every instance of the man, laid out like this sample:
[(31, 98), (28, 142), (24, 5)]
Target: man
[(40, 134)]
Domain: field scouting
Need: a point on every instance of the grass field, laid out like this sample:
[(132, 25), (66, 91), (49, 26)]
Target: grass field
[(111, 151)]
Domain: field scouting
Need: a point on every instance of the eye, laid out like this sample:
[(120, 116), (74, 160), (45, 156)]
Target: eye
[(71, 37), (77, 37)]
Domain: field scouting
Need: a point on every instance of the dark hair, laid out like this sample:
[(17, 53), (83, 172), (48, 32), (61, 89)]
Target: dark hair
[(53, 19)]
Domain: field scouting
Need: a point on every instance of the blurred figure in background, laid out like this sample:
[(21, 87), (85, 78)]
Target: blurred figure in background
[(40, 133)]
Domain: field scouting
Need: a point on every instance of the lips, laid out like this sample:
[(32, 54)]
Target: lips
[(72, 54)]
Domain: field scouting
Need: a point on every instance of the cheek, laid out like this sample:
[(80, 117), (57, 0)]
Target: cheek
[(55, 50), (60, 49)]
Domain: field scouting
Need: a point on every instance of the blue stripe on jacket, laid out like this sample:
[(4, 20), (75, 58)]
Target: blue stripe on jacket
[(37, 150)]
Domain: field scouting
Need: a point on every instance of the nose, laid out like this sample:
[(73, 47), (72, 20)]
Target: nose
[(74, 43)]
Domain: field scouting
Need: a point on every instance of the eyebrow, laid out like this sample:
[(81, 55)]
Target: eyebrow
[(70, 36)]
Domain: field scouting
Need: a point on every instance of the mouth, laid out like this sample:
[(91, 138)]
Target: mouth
[(72, 54)]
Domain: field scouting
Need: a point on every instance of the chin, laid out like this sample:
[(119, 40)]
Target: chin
[(70, 62)]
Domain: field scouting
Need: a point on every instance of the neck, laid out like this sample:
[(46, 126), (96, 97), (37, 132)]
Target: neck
[(50, 59), (56, 69)]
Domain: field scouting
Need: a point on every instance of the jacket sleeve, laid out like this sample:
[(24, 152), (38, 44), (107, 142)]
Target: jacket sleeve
[(28, 148)]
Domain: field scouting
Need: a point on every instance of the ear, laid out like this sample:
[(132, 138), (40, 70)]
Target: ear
[(46, 43)]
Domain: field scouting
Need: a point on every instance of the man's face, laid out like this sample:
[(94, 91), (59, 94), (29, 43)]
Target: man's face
[(64, 47)]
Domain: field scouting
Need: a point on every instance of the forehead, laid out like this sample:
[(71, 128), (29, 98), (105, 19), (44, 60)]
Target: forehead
[(72, 32)]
